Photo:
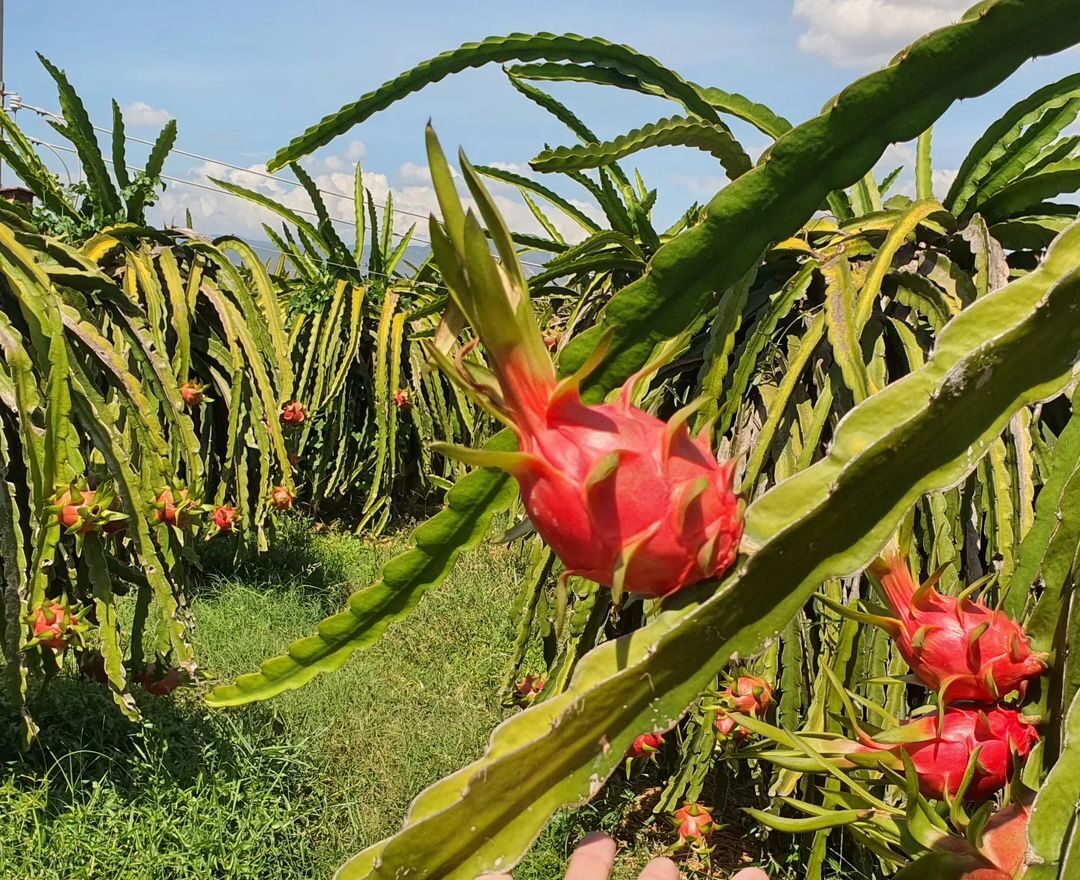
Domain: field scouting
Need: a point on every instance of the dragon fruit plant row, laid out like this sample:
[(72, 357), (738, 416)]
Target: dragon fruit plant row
[(632, 503), (890, 362)]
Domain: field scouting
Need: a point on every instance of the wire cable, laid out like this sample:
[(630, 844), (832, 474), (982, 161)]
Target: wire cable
[(394, 278), (48, 113), (213, 189), (264, 174)]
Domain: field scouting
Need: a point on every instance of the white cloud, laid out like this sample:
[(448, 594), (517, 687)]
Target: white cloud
[(216, 212), (898, 154), (943, 179), (702, 186), (861, 33), (519, 168), (139, 114), (411, 174), (903, 155)]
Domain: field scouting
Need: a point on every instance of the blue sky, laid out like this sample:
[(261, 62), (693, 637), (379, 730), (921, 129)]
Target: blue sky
[(242, 78)]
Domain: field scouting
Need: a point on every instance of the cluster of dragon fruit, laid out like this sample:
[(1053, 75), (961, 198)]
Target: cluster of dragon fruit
[(974, 657), (977, 660), (81, 511), (637, 504)]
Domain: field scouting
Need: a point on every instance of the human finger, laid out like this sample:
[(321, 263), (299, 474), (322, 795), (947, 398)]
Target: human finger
[(593, 859), (660, 869)]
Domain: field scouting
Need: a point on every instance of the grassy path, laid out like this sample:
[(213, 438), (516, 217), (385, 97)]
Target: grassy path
[(278, 791)]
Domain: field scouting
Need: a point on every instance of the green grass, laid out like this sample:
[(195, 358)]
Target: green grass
[(186, 795), (290, 788), (282, 790)]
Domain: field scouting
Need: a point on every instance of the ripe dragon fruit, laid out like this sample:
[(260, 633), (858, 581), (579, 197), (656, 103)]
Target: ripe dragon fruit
[(402, 399), (749, 695), (528, 689), (174, 509), (694, 824), (281, 498), (193, 394), (997, 853), (86, 511), (1003, 842), (54, 626), (225, 518), (623, 498), (159, 680), (941, 746), (1002, 845), (727, 726), (646, 745), (959, 647), (293, 414)]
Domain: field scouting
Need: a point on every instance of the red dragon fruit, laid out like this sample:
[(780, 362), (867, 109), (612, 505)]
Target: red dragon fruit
[(281, 498), (1003, 842), (623, 498), (528, 689), (225, 518), (959, 647), (92, 667), (749, 695), (402, 399), (646, 745), (293, 414), (193, 394), (174, 509), (54, 626), (86, 511), (694, 824), (159, 680), (941, 746), (997, 853), (727, 726)]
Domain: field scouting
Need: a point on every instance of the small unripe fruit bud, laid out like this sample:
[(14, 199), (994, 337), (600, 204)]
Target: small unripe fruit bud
[(281, 498), (293, 414)]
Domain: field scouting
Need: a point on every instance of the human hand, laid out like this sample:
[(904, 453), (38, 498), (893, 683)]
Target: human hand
[(595, 857)]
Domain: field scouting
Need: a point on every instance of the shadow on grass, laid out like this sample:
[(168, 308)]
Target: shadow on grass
[(323, 565), (84, 742)]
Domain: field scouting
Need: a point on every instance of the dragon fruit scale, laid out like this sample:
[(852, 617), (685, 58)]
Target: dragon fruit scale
[(622, 497), (955, 645)]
